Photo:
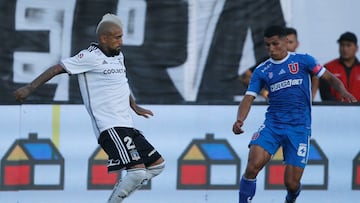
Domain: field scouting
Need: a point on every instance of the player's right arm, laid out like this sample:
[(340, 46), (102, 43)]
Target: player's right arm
[(23, 92), (255, 86), (243, 111)]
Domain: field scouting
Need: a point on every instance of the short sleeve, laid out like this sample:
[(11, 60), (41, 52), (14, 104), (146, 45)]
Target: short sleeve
[(82, 62), (255, 84), (314, 67)]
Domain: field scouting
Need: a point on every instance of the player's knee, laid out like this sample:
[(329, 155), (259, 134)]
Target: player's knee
[(292, 185), (138, 176), (155, 170), (252, 171)]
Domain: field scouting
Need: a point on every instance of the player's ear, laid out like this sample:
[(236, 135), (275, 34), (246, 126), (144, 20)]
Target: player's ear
[(103, 38)]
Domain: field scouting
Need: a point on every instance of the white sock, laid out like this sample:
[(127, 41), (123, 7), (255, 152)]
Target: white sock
[(153, 171), (132, 181)]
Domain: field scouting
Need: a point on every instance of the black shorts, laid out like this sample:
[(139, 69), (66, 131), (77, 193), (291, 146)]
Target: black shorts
[(126, 147)]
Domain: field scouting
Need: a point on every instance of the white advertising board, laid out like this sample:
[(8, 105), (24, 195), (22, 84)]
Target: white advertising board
[(172, 130)]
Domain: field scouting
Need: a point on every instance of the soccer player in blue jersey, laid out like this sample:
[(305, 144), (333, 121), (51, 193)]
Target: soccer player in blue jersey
[(288, 118)]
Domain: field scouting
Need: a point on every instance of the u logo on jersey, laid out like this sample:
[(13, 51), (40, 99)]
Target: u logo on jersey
[(294, 68)]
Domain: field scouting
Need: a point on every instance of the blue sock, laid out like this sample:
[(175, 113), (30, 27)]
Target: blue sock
[(247, 189), (291, 197)]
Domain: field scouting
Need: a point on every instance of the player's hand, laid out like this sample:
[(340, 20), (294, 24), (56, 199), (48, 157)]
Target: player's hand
[(22, 93), (237, 127), (143, 112)]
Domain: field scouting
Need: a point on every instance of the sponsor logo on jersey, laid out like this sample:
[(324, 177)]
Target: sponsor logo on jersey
[(285, 84), (114, 71), (266, 67), (282, 71)]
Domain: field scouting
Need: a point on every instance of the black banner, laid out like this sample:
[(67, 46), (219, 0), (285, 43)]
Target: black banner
[(35, 36)]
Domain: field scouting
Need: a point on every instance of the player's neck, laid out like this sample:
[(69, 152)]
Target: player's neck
[(281, 56)]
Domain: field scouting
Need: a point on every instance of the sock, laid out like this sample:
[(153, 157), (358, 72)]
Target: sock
[(247, 190), (132, 181), (291, 197), (153, 171)]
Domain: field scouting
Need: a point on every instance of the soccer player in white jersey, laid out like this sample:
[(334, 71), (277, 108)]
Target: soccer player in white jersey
[(106, 95), (288, 118)]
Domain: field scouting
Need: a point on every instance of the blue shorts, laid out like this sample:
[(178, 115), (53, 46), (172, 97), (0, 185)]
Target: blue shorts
[(294, 140)]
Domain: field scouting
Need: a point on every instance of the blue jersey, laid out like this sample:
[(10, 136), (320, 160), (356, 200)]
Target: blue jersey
[(289, 84)]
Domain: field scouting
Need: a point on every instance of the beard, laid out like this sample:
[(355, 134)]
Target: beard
[(114, 52)]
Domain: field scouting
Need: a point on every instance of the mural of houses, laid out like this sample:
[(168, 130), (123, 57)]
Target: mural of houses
[(356, 173), (314, 177), (32, 164), (204, 160), (98, 176)]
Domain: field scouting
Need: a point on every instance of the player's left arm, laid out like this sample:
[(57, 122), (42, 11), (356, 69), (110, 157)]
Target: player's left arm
[(139, 110), (338, 86)]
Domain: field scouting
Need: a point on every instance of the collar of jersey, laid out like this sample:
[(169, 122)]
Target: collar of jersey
[(280, 61)]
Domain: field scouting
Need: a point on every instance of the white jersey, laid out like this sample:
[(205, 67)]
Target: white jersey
[(104, 87)]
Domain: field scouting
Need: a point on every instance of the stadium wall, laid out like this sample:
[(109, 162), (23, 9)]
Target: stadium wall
[(174, 131)]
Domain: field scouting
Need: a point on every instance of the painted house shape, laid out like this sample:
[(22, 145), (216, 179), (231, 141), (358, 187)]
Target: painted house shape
[(98, 176), (315, 176), (208, 164), (356, 173), (32, 164)]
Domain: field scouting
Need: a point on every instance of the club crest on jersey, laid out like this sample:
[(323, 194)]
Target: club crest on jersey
[(270, 75), (294, 68), (134, 155)]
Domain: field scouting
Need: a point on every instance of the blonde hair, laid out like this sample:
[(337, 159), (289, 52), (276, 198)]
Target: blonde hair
[(109, 18)]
